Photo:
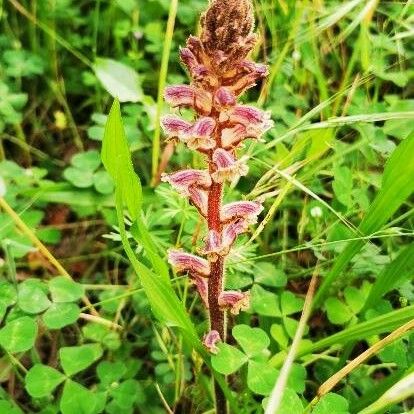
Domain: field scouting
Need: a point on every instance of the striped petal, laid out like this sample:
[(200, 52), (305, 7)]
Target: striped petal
[(199, 137), (228, 169), (235, 301), (210, 341), (174, 126), (246, 210), (185, 262), (182, 180)]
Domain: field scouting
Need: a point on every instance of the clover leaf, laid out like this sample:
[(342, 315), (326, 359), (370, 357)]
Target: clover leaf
[(77, 358), (41, 380)]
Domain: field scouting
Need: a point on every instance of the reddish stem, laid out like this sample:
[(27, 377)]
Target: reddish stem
[(215, 284)]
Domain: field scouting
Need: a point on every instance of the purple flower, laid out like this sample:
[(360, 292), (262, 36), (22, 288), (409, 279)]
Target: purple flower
[(189, 97), (246, 210), (199, 137), (199, 198), (235, 301), (247, 116), (210, 340), (224, 98), (227, 167), (183, 179), (201, 284), (174, 126), (232, 230), (186, 262), (248, 74), (214, 247)]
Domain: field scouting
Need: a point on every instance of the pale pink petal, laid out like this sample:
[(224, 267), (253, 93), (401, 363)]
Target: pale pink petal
[(197, 70), (224, 98), (201, 284), (185, 262), (246, 210), (248, 115), (214, 247), (232, 137), (232, 230), (174, 126), (179, 95), (199, 198), (189, 97), (227, 167), (234, 300), (210, 340), (182, 180), (200, 135)]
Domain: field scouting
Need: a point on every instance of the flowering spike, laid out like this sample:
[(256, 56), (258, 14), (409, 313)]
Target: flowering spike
[(220, 69), (235, 301), (210, 340), (186, 262), (227, 167)]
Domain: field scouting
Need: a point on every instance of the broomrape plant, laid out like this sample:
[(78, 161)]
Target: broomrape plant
[(220, 72)]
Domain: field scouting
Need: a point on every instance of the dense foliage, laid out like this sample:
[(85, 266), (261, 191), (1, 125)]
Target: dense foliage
[(92, 318)]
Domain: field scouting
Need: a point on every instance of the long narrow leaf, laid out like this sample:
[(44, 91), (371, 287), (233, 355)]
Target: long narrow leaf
[(117, 161)]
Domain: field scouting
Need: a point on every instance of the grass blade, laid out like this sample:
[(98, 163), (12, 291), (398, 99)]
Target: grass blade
[(397, 186), (398, 270)]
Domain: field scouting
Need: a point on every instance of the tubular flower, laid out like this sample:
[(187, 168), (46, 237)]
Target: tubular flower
[(202, 287), (199, 137), (227, 167), (175, 127), (235, 301), (210, 340), (220, 69), (182, 180), (186, 262), (246, 210)]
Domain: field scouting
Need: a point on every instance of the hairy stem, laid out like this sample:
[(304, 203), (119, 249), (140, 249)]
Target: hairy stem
[(215, 284)]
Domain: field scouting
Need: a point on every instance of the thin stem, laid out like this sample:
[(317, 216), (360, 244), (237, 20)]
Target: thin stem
[(42, 248), (215, 284), (161, 86)]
